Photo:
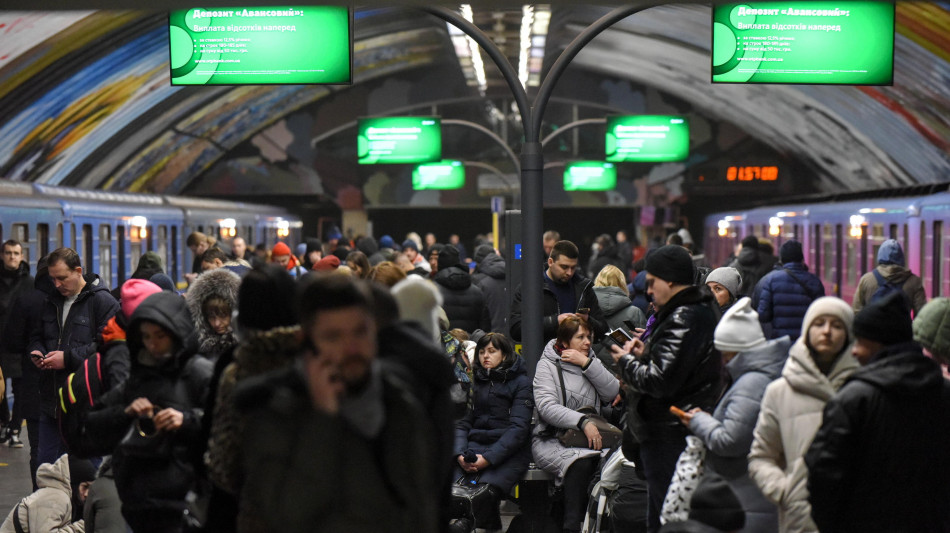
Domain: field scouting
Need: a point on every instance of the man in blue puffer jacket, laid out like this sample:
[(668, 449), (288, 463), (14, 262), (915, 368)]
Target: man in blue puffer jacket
[(783, 295)]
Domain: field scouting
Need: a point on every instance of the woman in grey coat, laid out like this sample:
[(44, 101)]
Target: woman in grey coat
[(752, 363), (586, 383)]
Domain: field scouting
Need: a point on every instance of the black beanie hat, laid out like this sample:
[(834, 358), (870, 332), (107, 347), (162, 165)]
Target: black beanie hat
[(448, 256), (886, 321), (265, 298), (80, 470), (482, 251), (671, 263), (715, 504), (791, 252)]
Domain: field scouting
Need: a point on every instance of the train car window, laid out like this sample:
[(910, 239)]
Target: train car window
[(924, 253), (892, 231), (42, 239), (59, 235), (120, 240), (149, 239), (135, 246), (163, 244), (249, 236), (105, 254), (88, 260), (938, 259), (864, 249), (173, 264), (816, 246), (826, 251), (839, 258), (797, 232), (72, 237), (21, 232)]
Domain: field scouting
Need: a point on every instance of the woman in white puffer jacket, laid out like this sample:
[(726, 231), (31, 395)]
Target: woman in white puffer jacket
[(818, 364)]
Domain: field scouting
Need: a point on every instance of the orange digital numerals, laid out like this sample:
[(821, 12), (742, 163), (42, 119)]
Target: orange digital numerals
[(752, 173)]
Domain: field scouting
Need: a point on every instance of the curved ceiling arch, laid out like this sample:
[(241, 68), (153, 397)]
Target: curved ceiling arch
[(90, 105)]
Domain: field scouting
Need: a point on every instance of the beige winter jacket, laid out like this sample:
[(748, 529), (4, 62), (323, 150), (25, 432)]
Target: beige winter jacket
[(49, 509), (790, 416), (912, 285)]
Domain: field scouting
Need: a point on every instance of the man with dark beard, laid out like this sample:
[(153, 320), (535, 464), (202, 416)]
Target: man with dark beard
[(333, 443)]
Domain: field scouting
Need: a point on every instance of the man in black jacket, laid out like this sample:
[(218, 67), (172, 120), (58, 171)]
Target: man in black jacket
[(678, 365), (566, 292), (73, 316), (14, 279), (879, 461)]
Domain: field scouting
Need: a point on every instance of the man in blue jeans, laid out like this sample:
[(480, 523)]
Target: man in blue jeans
[(677, 365), (72, 317)]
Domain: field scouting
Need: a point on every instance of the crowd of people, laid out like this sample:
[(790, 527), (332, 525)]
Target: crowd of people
[(371, 385)]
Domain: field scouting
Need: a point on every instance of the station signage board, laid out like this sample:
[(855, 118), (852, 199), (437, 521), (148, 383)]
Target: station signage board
[(590, 176), (399, 140), (646, 138)]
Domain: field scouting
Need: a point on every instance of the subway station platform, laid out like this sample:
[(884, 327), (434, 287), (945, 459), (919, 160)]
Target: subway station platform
[(14, 476)]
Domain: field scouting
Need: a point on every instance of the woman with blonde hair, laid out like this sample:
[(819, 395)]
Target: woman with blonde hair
[(610, 287), (819, 363)]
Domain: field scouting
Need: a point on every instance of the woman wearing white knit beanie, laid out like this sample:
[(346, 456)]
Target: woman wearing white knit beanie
[(752, 363), (818, 364)]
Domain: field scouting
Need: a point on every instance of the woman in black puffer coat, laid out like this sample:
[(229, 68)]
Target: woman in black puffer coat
[(162, 399), (492, 442)]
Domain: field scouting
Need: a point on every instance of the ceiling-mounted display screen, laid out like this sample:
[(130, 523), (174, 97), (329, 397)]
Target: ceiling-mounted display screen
[(261, 46), (850, 43), (590, 176), (445, 175), (647, 138), (399, 140)]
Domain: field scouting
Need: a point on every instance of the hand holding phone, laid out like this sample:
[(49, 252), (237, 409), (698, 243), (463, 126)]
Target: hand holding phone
[(583, 311), (677, 411)]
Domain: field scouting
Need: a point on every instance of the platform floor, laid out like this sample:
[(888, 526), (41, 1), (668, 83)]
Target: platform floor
[(14, 475)]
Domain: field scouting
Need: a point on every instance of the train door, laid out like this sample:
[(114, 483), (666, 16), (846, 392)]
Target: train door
[(827, 256), (21, 232), (59, 235), (162, 249), (849, 276), (865, 238), (86, 251), (839, 258), (42, 240), (135, 246)]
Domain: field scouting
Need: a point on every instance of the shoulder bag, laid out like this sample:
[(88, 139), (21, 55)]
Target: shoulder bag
[(610, 434)]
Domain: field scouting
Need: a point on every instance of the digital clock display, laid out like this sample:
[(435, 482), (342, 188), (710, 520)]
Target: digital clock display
[(752, 174)]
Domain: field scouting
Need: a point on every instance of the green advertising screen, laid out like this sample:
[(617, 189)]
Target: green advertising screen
[(849, 43), (444, 175), (399, 140), (590, 176), (647, 138), (260, 46)]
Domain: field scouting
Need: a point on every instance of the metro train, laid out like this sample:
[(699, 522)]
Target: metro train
[(111, 230), (841, 239)]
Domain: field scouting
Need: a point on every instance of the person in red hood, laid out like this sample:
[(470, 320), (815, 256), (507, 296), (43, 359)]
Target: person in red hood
[(283, 256)]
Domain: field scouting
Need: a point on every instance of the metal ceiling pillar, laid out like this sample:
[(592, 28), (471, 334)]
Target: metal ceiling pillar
[(532, 159)]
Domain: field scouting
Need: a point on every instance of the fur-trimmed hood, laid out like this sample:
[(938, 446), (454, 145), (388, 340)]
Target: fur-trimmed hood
[(218, 283)]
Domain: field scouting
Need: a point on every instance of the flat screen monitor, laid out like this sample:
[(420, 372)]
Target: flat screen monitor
[(445, 175), (399, 140), (647, 138), (848, 43), (261, 45), (590, 176)]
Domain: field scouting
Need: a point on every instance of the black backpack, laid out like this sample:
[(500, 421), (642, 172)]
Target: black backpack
[(885, 287), (76, 397)]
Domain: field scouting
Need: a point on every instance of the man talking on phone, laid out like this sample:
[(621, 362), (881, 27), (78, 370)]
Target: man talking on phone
[(566, 292), (335, 442)]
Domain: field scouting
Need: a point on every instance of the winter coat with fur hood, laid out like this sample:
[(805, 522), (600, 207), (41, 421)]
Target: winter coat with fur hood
[(222, 284)]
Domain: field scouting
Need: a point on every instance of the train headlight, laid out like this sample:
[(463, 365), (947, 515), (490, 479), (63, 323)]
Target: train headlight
[(775, 226)]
